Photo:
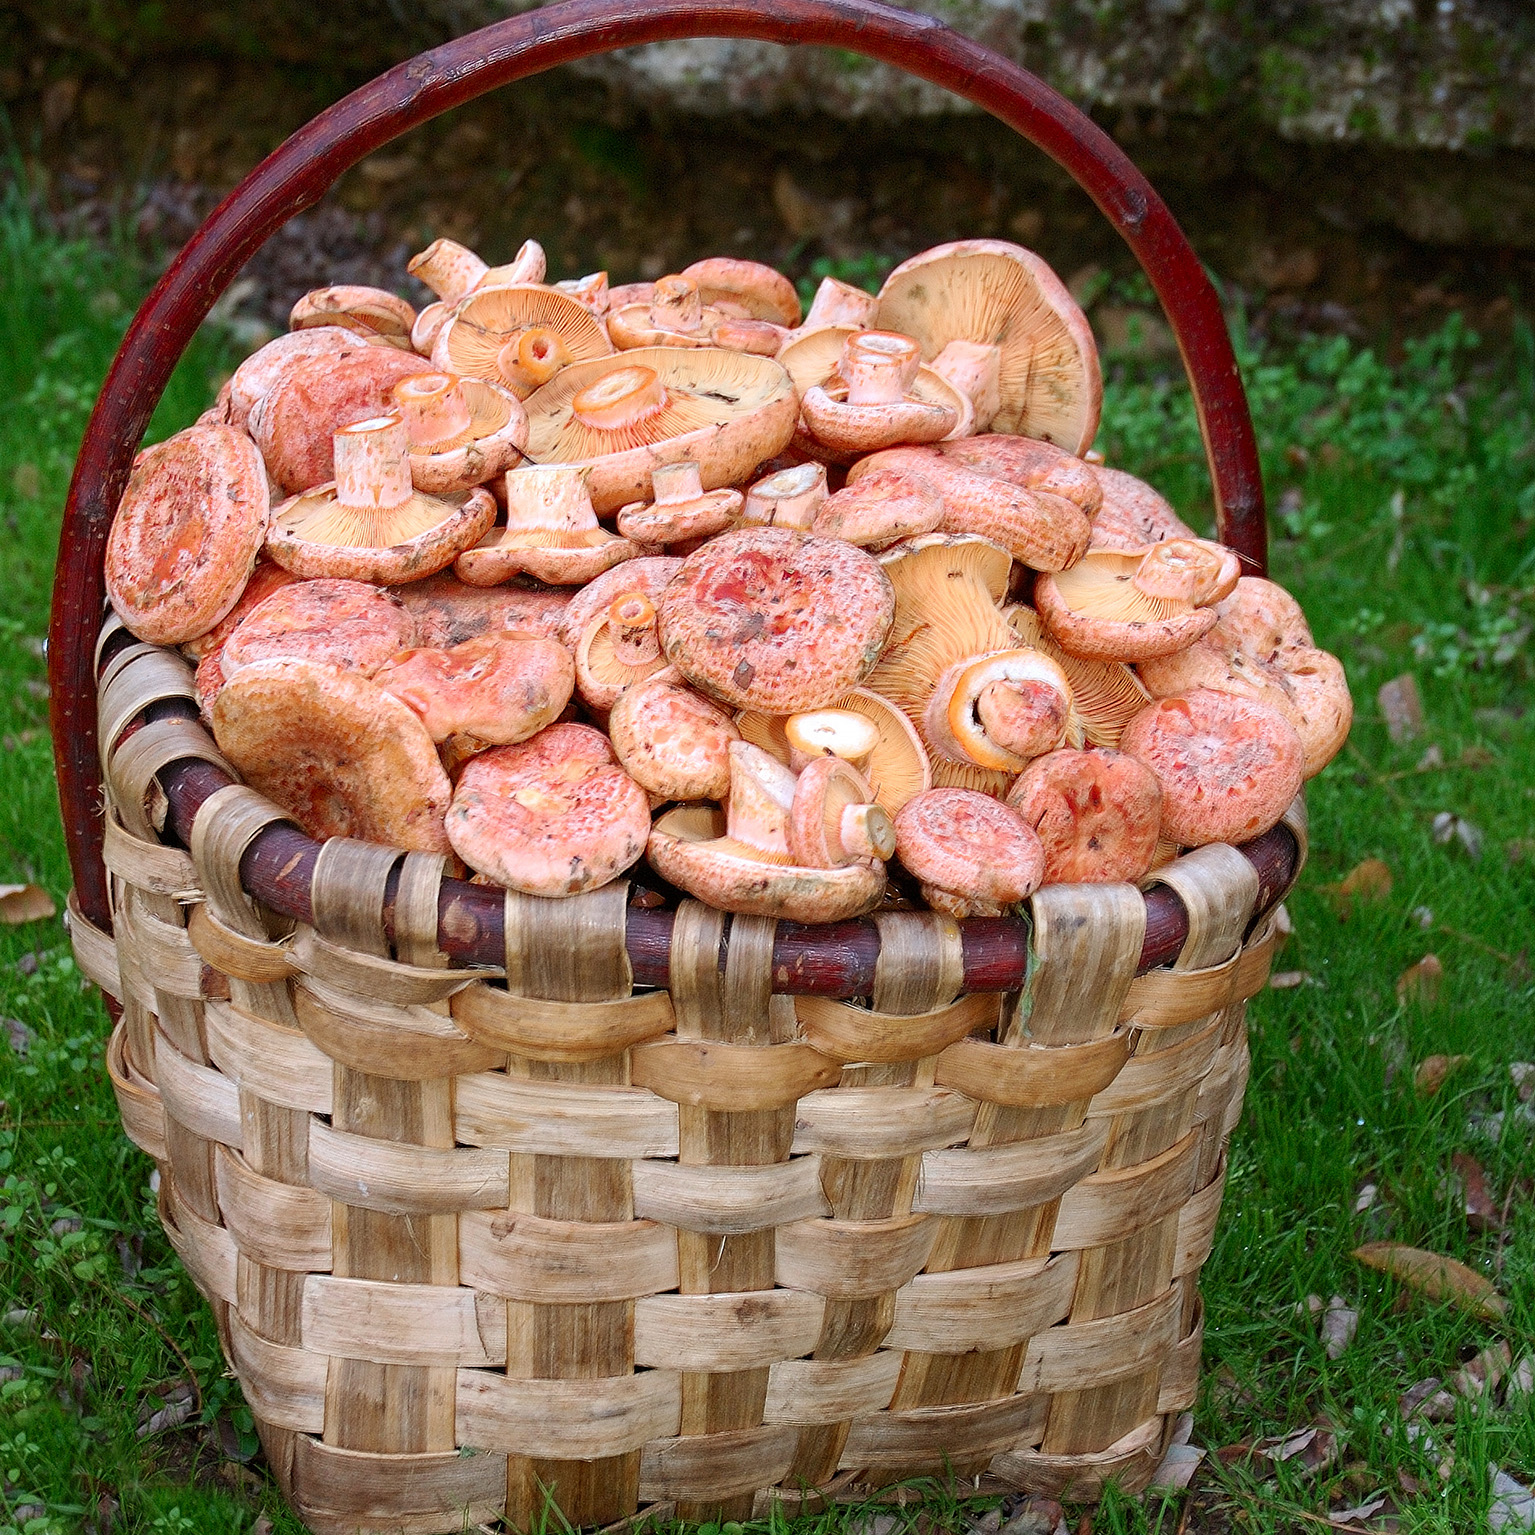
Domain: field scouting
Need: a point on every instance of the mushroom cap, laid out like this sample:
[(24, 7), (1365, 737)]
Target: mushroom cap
[(1195, 570), (256, 376), (499, 688), (1097, 813), (428, 326), (763, 292), (840, 303), (470, 344), (1131, 514), (1041, 530), (264, 580), (896, 768), (1105, 695), (834, 821), (1229, 767), (1000, 294), (1265, 617), (493, 441), (605, 666), (650, 574), (345, 624), (848, 431), (776, 620), (187, 533), (969, 845), (728, 411), (1096, 610), (354, 307), (710, 512), (295, 421), (554, 815), (672, 741), (879, 508), (999, 710), (688, 847), (340, 755), (1035, 465), (448, 611), (208, 679)]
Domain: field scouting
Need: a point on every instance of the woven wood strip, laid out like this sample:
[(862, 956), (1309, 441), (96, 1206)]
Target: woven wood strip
[(718, 1468), (207, 1250), (278, 1064), (94, 950), (1033, 1076), (1149, 1080), (847, 1260), (711, 1333), (281, 1225), (138, 1101), (530, 1258), (146, 864), (546, 1029), (1180, 1374), (1109, 1349), (849, 1034), (727, 1201), (994, 1306), (401, 1178), (1016, 1175), (165, 951), (878, 1123), (1129, 1461), (402, 1324), (562, 1420), (130, 685), (710, 1074), (366, 975), (816, 1392), (960, 1435), (284, 1386), (201, 1099), (370, 1486), (560, 1119), (135, 761)]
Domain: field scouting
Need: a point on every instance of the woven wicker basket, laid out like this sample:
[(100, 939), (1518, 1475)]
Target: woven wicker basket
[(485, 1223)]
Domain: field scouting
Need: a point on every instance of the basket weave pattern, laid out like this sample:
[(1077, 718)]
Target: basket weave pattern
[(474, 1239)]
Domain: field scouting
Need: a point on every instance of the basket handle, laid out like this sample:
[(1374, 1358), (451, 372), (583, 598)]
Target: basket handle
[(301, 170)]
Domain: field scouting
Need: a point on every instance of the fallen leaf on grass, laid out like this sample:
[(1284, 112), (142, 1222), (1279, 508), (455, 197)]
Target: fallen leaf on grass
[(1370, 880), (1365, 1198), (1427, 1399), (1437, 1277), (1420, 982), (25, 903), (1339, 1324), (1513, 1504), (19, 1035), (1433, 1071), (1288, 980), (1523, 1075), (1480, 1377), (1401, 706), (1358, 1514), (1178, 1467), (1522, 1381), (1449, 827), (173, 1415), (1481, 1208)]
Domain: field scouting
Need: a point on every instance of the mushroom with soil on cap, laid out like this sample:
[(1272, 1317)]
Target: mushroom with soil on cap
[(880, 508), (1131, 514), (1229, 767), (1097, 814), (618, 648), (672, 741), (370, 523), (186, 533), (453, 271), (1038, 466), (347, 624), (340, 755), (1260, 648), (551, 532), (520, 335), (682, 508), (674, 315), (1138, 604), (1106, 695), (995, 294), (1039, 529), (741, 861), (362, 310), (772, 619), (873, 405), (622, 417), (261, 371), (974, 856), (787, 498), (462, 431), (554, 815), (448, 611), (265, 579)]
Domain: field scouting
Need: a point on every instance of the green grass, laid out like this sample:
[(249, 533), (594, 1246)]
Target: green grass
[(1404, 526)]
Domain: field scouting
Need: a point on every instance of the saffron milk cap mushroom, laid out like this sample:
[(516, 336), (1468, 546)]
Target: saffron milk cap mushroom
[(840, 303), (772, 619), (674, 315), (462, 431), (682, 508), (554, 815), (340, 755), (483, 339), (976, 371), (672, 741), (592, 290), (1000, 710), (624, 416), (879, 508), (1229, 767), (1097, 814), (1038, 466), (365, 311), (531, 358), (428, 326), (741, 861), (649, 574), (874, 406), (973, 855), (448, 611), (264, 580), (833, 820), (551, 532), (617, 648), (348, 624), (759, 292), (787, 498), (264, 367), (186, 533), (370, 523), (453, 271), (996, 294), (1105, 695), (1131, 514)]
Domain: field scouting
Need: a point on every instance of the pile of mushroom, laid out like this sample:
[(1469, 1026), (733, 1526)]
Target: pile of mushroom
[(815, 613)]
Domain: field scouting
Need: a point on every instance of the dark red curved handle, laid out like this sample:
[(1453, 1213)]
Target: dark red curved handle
[(300, 171)]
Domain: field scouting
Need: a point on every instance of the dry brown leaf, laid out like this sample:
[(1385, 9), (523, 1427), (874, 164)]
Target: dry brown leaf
[(1482, 1375), (25, 903), (1433, 1071), (1288, 980), (1367, 881), (1401, 705), (1481, 1208), (1434, 1275), (1340, 1322), (1420, 982)]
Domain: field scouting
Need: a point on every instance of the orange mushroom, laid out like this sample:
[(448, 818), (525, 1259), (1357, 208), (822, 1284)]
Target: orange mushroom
[(347, 624), (973, 855), (463, 432), (1097, 814), (362, 310), (873, 406), (672, 741), (682, 508)]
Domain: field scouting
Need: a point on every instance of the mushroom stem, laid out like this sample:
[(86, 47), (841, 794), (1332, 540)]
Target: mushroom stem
[(532, 357), (373, 464), (1000, 710), (434, 409), (975, 369), (879, 366), (761, 797), (836, 732), (528, 265), (867, 832), (449, 269), (840, 303), (1187, 569), (677, 306), (548, 497), (619, 399), (788, 499), (673, 484), (632, 620)]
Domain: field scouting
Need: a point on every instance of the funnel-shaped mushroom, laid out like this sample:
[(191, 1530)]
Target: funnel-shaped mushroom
[(1228, 767), (745, 865), (674, 315), (462, 431), (592, 290), (833, 820), (1139, 604), (452, 271), (341, 623), (879, 508), (187, 533), (873, 406), (787, 498), (448, 611), (840, 303), (1097, 813), (1106, 695), (682, 508), (554, 815), (341, 756), (483, 339), (551, 532), (623, 417), (530, 359), (1000, 295), (1038, 466), (1131, 514), (370, 523), (758, 292), (771, 619), (365, 311), (672, 741), (618, 648), (428, 327), (649, 574), (973, 855), (261, 371), (1039, 529)]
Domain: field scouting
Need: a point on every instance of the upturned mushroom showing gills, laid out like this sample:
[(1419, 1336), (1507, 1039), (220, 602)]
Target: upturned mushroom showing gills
[(674, 315), (840, 303), (788, 498), (448, 611), (623, 417), (833, 820), (999, 711), (484, 337), (348, 624), (1228, 767), (974, 856), (874, 407), (186, 534), (371, 523), (771, 619), (1105, 695), (551, 532), (672, 741), (1097, 814), (340, 755), (1131, 514), (463, 432), (554, 815), (592, 290), (682, 508), (366, 311), (618, 648), (742, 862), (1000, 295), (649, 574)]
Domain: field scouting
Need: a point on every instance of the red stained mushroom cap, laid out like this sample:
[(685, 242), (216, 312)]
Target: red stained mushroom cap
[(448, 611), (972, 853), (265, 579), (776, 620), (1096, 812), (346, 624)]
